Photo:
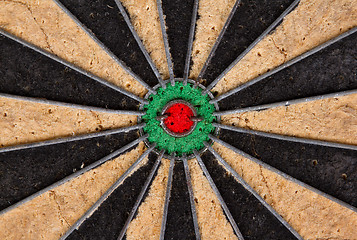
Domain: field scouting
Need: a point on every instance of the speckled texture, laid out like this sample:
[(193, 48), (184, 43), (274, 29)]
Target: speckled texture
[(252, 218), (50, 215), (147, 223), (145, 19), (44, 24), (328, 169), (212, 222), (332, 119), (26, 72), (179, 224), (212, 15), (332, 69), (109, 218), (106, 22), (27, 171), (178, 31), (313, 216), (249, 20), (24, 122), (310, 24)]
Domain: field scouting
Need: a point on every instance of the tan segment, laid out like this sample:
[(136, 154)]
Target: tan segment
[(211, 220), (145, 19), (44, 24), (212, 15), (147, 224), (310, 214), (24, 122), (332, 119), (51, 214), (309, 25)]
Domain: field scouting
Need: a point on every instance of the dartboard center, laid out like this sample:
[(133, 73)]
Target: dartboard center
[(178, 118)]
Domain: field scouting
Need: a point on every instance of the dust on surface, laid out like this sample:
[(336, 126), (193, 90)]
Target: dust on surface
[(147, 224), (212, 222), (50, 215), (312, 23), (211, 17), (145, 19), (44, 24), (331, 119), (24, 122), (311, 215)]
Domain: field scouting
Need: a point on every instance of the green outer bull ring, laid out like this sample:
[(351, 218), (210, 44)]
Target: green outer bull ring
[(204, 148)]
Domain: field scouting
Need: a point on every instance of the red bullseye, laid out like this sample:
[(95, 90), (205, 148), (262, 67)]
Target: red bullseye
[(178, 118)]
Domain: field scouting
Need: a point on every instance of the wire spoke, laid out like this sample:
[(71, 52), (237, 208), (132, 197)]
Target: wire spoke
[(284, 175), (72, 66), (112, 188), (70, 139), (140, 43), (253, 44), (166, 42), (70, 105), (286, 103), (216, 44), (141, 195), (167, 198), (190, 42), (74, 175), (251, 190), (286, 138), (219, 196), (102, 46), (192, 202), (285, 65)]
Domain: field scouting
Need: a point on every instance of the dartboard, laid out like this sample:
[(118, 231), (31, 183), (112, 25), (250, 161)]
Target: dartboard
[(195, 119)]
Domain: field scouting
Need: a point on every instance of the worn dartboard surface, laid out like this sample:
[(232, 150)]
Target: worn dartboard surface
[(195, 119)]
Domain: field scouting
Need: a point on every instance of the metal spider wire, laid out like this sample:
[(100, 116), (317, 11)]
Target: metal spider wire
[(166, 41), (172, 161)]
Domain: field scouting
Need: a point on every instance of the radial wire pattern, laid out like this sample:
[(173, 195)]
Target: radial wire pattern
[(34, 75)]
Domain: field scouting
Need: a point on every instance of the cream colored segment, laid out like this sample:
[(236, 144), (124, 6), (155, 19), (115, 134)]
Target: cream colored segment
[(312, 23), (24, 122), (147, 223), (212, 16), (311, 215), (211, 220), (44, 24), (145, 19), (51, 214), (332, 119)]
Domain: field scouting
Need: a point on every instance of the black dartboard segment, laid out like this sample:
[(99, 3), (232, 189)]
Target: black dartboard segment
[(250, 20), (25, 172), (104, 19), (178, 22), (331, 170), (253, 219), (108, 220), (179, 223), (28, 73), (330, 70)]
